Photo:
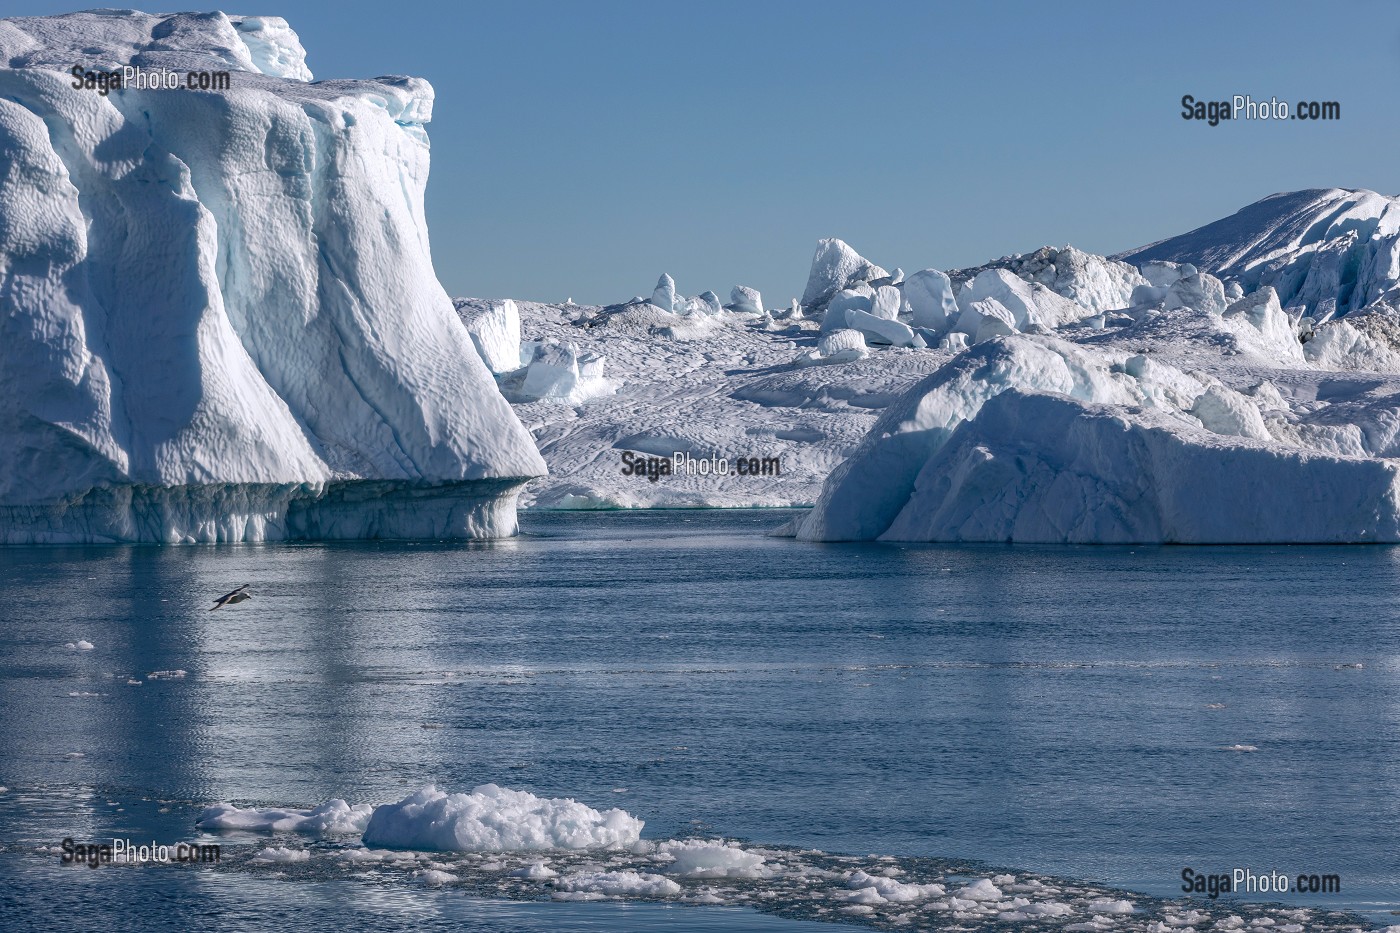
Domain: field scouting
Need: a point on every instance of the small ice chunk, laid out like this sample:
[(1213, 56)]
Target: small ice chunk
[(560, 372), (1201, 291), (859, 298), (333, 818), (1227, 412), (535, 871), (881, 330), (434, 878), (281, 855), (711, 859), (496, 819), (982, 890), (618, 884)]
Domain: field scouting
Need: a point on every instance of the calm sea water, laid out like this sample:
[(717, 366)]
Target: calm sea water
[(1060, 710)]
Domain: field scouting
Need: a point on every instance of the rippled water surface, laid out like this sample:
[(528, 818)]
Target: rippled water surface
[(1110, 715)]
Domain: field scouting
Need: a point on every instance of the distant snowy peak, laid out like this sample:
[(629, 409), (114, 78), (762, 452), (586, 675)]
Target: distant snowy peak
[(1326, 251)]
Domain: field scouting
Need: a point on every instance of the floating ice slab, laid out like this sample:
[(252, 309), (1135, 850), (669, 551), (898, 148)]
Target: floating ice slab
[(333, 818), (496, 819)]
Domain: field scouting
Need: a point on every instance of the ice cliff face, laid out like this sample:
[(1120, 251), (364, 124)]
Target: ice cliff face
[(219, 313)]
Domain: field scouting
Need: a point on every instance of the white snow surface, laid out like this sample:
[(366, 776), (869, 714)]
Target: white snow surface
[(733, 385), (222, 319), (496, 819)]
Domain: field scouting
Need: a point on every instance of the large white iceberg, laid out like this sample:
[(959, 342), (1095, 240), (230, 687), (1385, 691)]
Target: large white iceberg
[(222, 320), (1051, 469), (1040, 440)]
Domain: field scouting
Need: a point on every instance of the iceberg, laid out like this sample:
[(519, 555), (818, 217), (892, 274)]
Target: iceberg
[(1039, 440), (1328, 252), (222, 321)]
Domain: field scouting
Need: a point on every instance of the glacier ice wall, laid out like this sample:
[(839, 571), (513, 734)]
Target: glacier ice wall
[(219, 319)]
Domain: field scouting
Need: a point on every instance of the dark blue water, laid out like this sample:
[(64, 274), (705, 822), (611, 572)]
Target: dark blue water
[(1058, 710)]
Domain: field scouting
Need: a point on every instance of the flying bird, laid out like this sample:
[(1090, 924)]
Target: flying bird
[(237, 596)]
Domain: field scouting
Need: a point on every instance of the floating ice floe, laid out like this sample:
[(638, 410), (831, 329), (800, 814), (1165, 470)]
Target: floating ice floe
[(710, 859), (281, 855), (493, 818), (617, 884), (333, 818), (881, 892)]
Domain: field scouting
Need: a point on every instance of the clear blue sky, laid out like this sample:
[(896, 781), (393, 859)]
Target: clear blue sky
[(582, 148)]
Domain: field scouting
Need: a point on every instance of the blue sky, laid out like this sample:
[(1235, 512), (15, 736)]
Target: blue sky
[(580, 149)]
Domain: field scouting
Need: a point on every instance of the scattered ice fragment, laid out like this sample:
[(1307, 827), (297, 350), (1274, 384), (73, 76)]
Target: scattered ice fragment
[(1110, 906), (710, 859), (281, 854), (434, 878), (982, 890), (335, 817), (618, 884)]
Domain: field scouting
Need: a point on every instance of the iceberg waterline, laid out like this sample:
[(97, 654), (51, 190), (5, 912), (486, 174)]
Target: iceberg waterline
[(221, 320), (499, 842)]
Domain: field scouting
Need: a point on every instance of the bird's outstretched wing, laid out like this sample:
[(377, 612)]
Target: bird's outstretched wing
[(227, 598)]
